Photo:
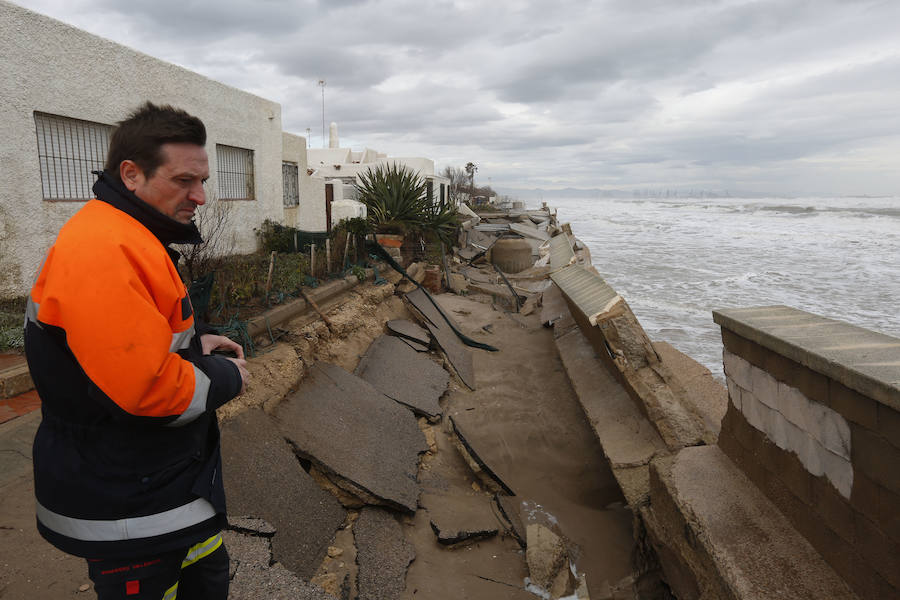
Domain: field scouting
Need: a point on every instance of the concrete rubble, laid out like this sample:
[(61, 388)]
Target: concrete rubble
[(548, 563), (365, 442), (465, 520), (404, 375)]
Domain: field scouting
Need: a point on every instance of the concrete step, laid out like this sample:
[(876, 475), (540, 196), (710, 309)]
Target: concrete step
[(628, 438), (15, 378), (718, 536)]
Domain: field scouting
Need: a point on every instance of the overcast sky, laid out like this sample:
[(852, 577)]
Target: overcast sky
[(780, 96)]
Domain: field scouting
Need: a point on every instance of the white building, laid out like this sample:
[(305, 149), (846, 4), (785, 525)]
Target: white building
[(344, 165), (62, 91)]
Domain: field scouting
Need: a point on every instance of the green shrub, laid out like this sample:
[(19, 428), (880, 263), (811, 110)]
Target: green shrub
[(275, 237), (12, 323)]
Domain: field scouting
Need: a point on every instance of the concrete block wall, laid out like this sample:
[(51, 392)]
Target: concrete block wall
[(813, 421)]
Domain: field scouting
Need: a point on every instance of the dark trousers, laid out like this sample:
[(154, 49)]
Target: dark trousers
[(162, 577)]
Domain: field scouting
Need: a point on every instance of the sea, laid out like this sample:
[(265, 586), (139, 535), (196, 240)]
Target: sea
[(675, 260)]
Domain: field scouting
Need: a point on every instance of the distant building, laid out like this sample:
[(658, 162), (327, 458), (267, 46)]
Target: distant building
[(336, 164)]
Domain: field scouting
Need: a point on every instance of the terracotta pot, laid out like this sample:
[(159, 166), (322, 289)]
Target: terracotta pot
[(389, 240)]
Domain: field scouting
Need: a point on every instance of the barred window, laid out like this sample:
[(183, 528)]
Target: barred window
[(235, 173), (291, 177), (68, 150)]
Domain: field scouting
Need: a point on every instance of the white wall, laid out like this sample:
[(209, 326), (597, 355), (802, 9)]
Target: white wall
[(50, 67), (309, 215)]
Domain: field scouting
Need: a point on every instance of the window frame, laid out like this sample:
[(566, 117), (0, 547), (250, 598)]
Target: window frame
[(228, 160), (68, 150)]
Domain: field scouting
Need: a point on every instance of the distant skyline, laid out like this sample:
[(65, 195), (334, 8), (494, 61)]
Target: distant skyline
[(769, 96)]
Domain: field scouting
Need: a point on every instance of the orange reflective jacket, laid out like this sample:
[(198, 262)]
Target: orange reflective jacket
[(126, 457)]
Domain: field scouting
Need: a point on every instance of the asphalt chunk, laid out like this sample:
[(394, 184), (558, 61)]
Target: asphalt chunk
[(401, 373), (409, 330), (264, 479), (355, 434), (383, 555)]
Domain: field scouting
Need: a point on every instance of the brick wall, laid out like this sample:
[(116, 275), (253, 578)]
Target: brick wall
[(826, 455)]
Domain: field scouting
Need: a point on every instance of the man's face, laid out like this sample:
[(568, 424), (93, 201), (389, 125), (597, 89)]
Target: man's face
[(176, 188)]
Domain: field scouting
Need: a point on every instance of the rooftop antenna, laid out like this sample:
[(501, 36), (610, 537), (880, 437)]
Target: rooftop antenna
[(307, 137), (322, 84)]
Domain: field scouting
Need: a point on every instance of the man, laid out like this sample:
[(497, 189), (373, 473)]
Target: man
[(127, 468)]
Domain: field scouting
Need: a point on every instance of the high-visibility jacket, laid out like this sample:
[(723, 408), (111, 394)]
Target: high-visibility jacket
[(126, 458)]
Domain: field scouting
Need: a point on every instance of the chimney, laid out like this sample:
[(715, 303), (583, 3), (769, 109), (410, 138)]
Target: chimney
[(332, 136)]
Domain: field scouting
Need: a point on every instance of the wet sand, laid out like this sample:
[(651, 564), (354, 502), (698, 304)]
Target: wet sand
[(526, 419)]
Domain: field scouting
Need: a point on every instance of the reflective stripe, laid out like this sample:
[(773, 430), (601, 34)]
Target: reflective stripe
[(31, 312), (171, 593), (91, 530), (202, 550), (182, 340), (198, 401)]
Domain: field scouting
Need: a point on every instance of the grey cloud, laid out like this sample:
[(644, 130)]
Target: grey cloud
[(785, 82)]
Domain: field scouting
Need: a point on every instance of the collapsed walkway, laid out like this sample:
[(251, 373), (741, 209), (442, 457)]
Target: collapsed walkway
[(379, 457)]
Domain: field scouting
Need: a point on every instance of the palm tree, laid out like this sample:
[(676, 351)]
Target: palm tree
[(471, 168)]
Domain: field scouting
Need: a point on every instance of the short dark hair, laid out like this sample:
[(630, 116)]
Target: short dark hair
[(141, 135)]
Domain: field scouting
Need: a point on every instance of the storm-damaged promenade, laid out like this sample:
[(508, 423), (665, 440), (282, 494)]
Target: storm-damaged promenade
[(521, 434)]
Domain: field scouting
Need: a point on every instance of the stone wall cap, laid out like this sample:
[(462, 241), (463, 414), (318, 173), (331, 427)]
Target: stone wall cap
[(861, 359)]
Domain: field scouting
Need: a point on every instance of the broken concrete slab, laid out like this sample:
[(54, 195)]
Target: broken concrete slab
[(479, 275), (383, 555), (457, 519), (531, 304), (528, 231), (458, 283), (409, 330), (487, 475), (553, 305), (548, 562), (364, 440), (253, 576), (628, 438), (511, 517), (400, 373), (263, 479), (457, 354)]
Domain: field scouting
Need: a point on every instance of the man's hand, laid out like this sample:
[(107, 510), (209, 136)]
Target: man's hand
[(210, 342), (242, 367)]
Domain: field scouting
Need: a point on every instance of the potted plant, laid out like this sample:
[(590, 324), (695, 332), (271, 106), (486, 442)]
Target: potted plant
[(396, 201)]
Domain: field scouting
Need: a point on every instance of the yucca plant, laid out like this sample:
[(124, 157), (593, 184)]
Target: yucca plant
[(396, 198)]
